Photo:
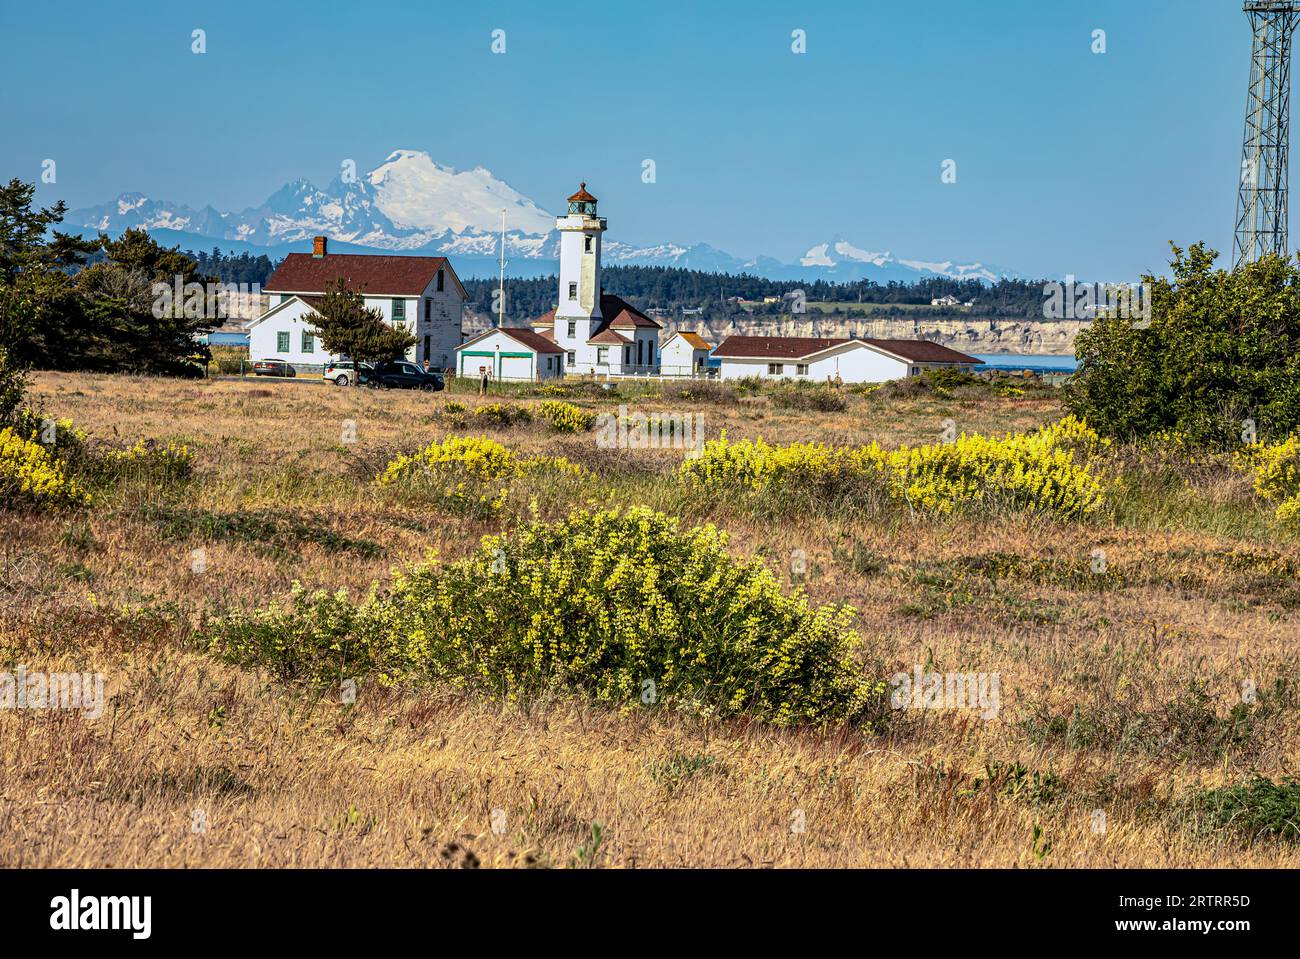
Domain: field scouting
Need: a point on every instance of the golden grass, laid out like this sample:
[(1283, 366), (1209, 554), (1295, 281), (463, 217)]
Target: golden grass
[(417, 777)]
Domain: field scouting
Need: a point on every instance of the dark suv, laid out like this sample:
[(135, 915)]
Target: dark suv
[(400, 374)]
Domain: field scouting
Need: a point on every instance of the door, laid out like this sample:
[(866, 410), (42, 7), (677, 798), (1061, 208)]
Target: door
[(516, 367)]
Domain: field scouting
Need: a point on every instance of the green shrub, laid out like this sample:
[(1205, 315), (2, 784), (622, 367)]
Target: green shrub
[(1258, 809), (1220, 347), (623, 606), (818, 398), (503, 415), (13, 388)]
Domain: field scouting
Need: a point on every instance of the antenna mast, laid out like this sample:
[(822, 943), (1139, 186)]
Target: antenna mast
[(1262, 194)]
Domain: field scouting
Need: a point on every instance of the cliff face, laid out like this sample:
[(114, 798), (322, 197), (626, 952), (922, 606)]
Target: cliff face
[(967, 334)]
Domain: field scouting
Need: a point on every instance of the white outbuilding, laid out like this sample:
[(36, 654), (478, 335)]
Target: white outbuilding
[(848, 360), (684, 353), (510, 353)]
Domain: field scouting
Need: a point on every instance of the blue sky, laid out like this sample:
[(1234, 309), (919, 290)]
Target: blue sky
[(1067, 161)]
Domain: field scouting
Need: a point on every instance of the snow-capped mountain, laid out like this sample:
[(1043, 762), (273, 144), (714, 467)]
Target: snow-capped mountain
[(410, 204), (845, 259)]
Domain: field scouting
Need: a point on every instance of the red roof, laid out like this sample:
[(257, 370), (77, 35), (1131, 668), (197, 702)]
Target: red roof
[(616, 313), (376, 275), (779, 347), (922, 351), (534, 341), (582, 196), (798, 347), (606, 335)]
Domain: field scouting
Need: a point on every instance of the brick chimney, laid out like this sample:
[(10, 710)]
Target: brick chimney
[(318, 247)]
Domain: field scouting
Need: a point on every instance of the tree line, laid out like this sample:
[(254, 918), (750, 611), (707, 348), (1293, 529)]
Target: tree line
[(672, 289)]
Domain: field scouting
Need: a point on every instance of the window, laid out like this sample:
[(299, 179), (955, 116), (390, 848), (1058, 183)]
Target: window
[(640, 347), (428, 309), (308, 342), (427, 345), (571, 360), (440, 281), (627, 356), (573, 291), (282, 341), (602, 354), (775, 369), (650, 352), (399, 310), (550, 360), (587, 245), (573, 328), (801, 369)]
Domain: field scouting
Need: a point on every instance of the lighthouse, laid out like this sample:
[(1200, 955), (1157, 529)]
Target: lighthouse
[(577, 313), (600, 334)]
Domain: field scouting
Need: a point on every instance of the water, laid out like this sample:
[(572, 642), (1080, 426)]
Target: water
[(1038, 362), (225, 339)]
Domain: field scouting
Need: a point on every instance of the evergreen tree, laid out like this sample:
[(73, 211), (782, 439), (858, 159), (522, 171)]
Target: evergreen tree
[(347, 327)]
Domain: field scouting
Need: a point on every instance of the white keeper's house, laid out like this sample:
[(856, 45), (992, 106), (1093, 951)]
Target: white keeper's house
[(597, 332), (421, 293), (819, 359)]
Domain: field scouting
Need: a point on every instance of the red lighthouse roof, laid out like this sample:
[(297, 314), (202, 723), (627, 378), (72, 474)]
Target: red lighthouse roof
[(582, 196)]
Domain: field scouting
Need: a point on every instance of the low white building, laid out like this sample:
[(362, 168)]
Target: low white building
[(598, 332), (421, 293), (820, 359), (684, 353), (510, 353)]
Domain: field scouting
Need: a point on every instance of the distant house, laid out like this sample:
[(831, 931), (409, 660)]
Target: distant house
[(949, 300), (816, 358), (684, 353), (510, 353), (421, 293)]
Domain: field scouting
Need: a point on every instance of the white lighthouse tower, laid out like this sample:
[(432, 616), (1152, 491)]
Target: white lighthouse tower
[(600, 333), (578, 315)]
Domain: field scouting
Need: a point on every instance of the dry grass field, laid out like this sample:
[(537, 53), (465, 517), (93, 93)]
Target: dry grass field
[(1121, 688)]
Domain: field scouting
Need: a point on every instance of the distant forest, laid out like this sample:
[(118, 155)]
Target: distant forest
[(672, 289), (668, 288)]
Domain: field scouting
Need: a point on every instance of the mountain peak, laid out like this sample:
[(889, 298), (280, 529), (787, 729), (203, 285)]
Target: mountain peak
[(410, 204)]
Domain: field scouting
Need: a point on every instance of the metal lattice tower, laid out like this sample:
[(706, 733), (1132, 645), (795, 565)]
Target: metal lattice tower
[(1262, 194)]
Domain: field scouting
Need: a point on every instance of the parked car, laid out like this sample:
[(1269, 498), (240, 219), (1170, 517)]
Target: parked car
[(273, 367), (341, 372), (399, 374)]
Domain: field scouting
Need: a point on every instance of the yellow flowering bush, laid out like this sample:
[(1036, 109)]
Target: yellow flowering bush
[(503, 414), (31, 473), (624, 606), (1276, 469), (148, 460), (565, 417), (468, 474), (1048, 470)]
